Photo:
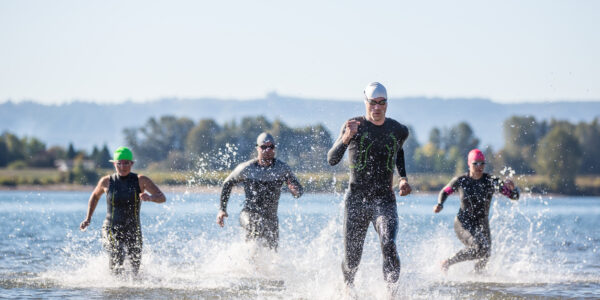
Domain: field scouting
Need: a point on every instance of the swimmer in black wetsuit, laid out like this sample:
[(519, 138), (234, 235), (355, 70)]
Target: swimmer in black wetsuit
[(262, 178), (121, 231), (472, 224), (374, 145)]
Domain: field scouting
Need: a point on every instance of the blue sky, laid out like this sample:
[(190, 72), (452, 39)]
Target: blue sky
[(113, 51)]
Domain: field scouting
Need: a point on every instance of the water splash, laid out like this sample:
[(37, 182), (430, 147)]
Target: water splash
[(186, 255)]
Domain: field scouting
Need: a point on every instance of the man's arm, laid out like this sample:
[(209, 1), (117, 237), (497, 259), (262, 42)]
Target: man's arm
[(294, 184), (156, 195), (403, 185), (99, 190), (234, 178), (336, 153)]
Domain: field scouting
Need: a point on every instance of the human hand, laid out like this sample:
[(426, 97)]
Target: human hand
[(145, 197), (437, 208), (509, 184), (84, 224), (351, 130), (293, 189), (405, 188), (221, 218)]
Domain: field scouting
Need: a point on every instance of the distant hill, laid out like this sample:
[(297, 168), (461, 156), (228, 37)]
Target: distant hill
[(88, 124)]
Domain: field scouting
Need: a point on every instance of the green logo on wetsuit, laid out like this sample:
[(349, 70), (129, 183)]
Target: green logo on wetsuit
[(364, 152)]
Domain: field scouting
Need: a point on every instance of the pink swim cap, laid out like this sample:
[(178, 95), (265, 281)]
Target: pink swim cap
[(475, 155)]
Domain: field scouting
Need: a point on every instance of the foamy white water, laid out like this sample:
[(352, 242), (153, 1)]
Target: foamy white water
[(542, 247)]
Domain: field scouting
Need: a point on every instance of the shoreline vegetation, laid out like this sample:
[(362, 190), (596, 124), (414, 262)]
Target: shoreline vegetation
[(210, 181), (549, 157)]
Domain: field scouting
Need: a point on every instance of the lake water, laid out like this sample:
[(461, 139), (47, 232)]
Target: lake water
[(543, 247)]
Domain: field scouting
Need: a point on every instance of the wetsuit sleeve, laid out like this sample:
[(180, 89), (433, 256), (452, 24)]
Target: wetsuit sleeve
[(234, 178), (512, 194), (400, 165), (400, 162), (448, 190), (290, 177), (336, 153)]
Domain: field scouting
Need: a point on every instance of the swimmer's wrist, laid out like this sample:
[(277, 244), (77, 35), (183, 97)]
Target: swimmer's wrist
[(440, 205), (403, 178)]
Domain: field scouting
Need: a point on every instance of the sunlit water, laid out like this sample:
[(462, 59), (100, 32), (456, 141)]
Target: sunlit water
[(543, 247)]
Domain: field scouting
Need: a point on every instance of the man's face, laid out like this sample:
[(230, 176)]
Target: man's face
[(376, 108), (476, 167), (123, 167), (266, 151)]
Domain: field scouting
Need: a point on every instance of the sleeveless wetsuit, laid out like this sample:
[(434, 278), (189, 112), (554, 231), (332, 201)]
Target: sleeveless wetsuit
[(472, 224), (374, 152), (262, 186), (122, 233)]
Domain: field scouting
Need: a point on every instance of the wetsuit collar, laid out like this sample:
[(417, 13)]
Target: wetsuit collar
[(265, 166), (123, 177)]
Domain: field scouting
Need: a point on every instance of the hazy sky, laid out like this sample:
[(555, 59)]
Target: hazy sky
[(112, 51)]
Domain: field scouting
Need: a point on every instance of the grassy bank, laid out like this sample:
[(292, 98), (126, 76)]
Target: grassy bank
[(313, 182)]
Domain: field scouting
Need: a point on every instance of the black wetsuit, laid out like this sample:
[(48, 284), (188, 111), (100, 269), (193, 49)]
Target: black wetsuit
[(122, 232), (262, 186), (374, 152), (472, 224)]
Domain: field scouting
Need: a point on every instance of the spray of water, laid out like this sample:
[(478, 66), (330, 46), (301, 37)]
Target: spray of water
[(185, 254)]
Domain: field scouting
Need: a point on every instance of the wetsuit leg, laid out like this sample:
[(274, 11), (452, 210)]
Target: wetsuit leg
[(486, 247), (248, 221), (134, 249), (269, 232), (356, 223), (385, 221), (477, 240), (259, 228), (112, 241)]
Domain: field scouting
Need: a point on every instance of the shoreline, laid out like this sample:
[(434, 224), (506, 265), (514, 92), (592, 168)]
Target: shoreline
[(202, 189)]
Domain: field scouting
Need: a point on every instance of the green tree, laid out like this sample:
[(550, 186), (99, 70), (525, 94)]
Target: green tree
[(588, 136), (153, 141), (80, 175), (410, 148), (521, 135), (308, 148), (456, 143), (71, 153), (3, 153), (104, 158), (37, 156), (435, 137), (14, 146), (491, 163), (432, 157), (202, 138), (558, 158), (463, 137)]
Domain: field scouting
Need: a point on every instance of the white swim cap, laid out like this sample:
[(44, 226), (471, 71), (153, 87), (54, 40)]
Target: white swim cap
[(264, 138), (375, 90)]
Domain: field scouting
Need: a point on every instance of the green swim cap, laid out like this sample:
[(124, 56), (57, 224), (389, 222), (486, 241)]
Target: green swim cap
[(122, 153)]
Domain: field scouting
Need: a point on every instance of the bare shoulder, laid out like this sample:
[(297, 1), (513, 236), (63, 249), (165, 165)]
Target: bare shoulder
[(104, 181), (102, 186), (144, 178)]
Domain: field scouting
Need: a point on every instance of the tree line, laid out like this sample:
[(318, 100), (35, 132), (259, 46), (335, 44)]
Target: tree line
[(181, 144), (30, 152), (557, 149)]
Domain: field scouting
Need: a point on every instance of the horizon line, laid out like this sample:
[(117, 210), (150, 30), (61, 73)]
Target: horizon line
[(275, 95)]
